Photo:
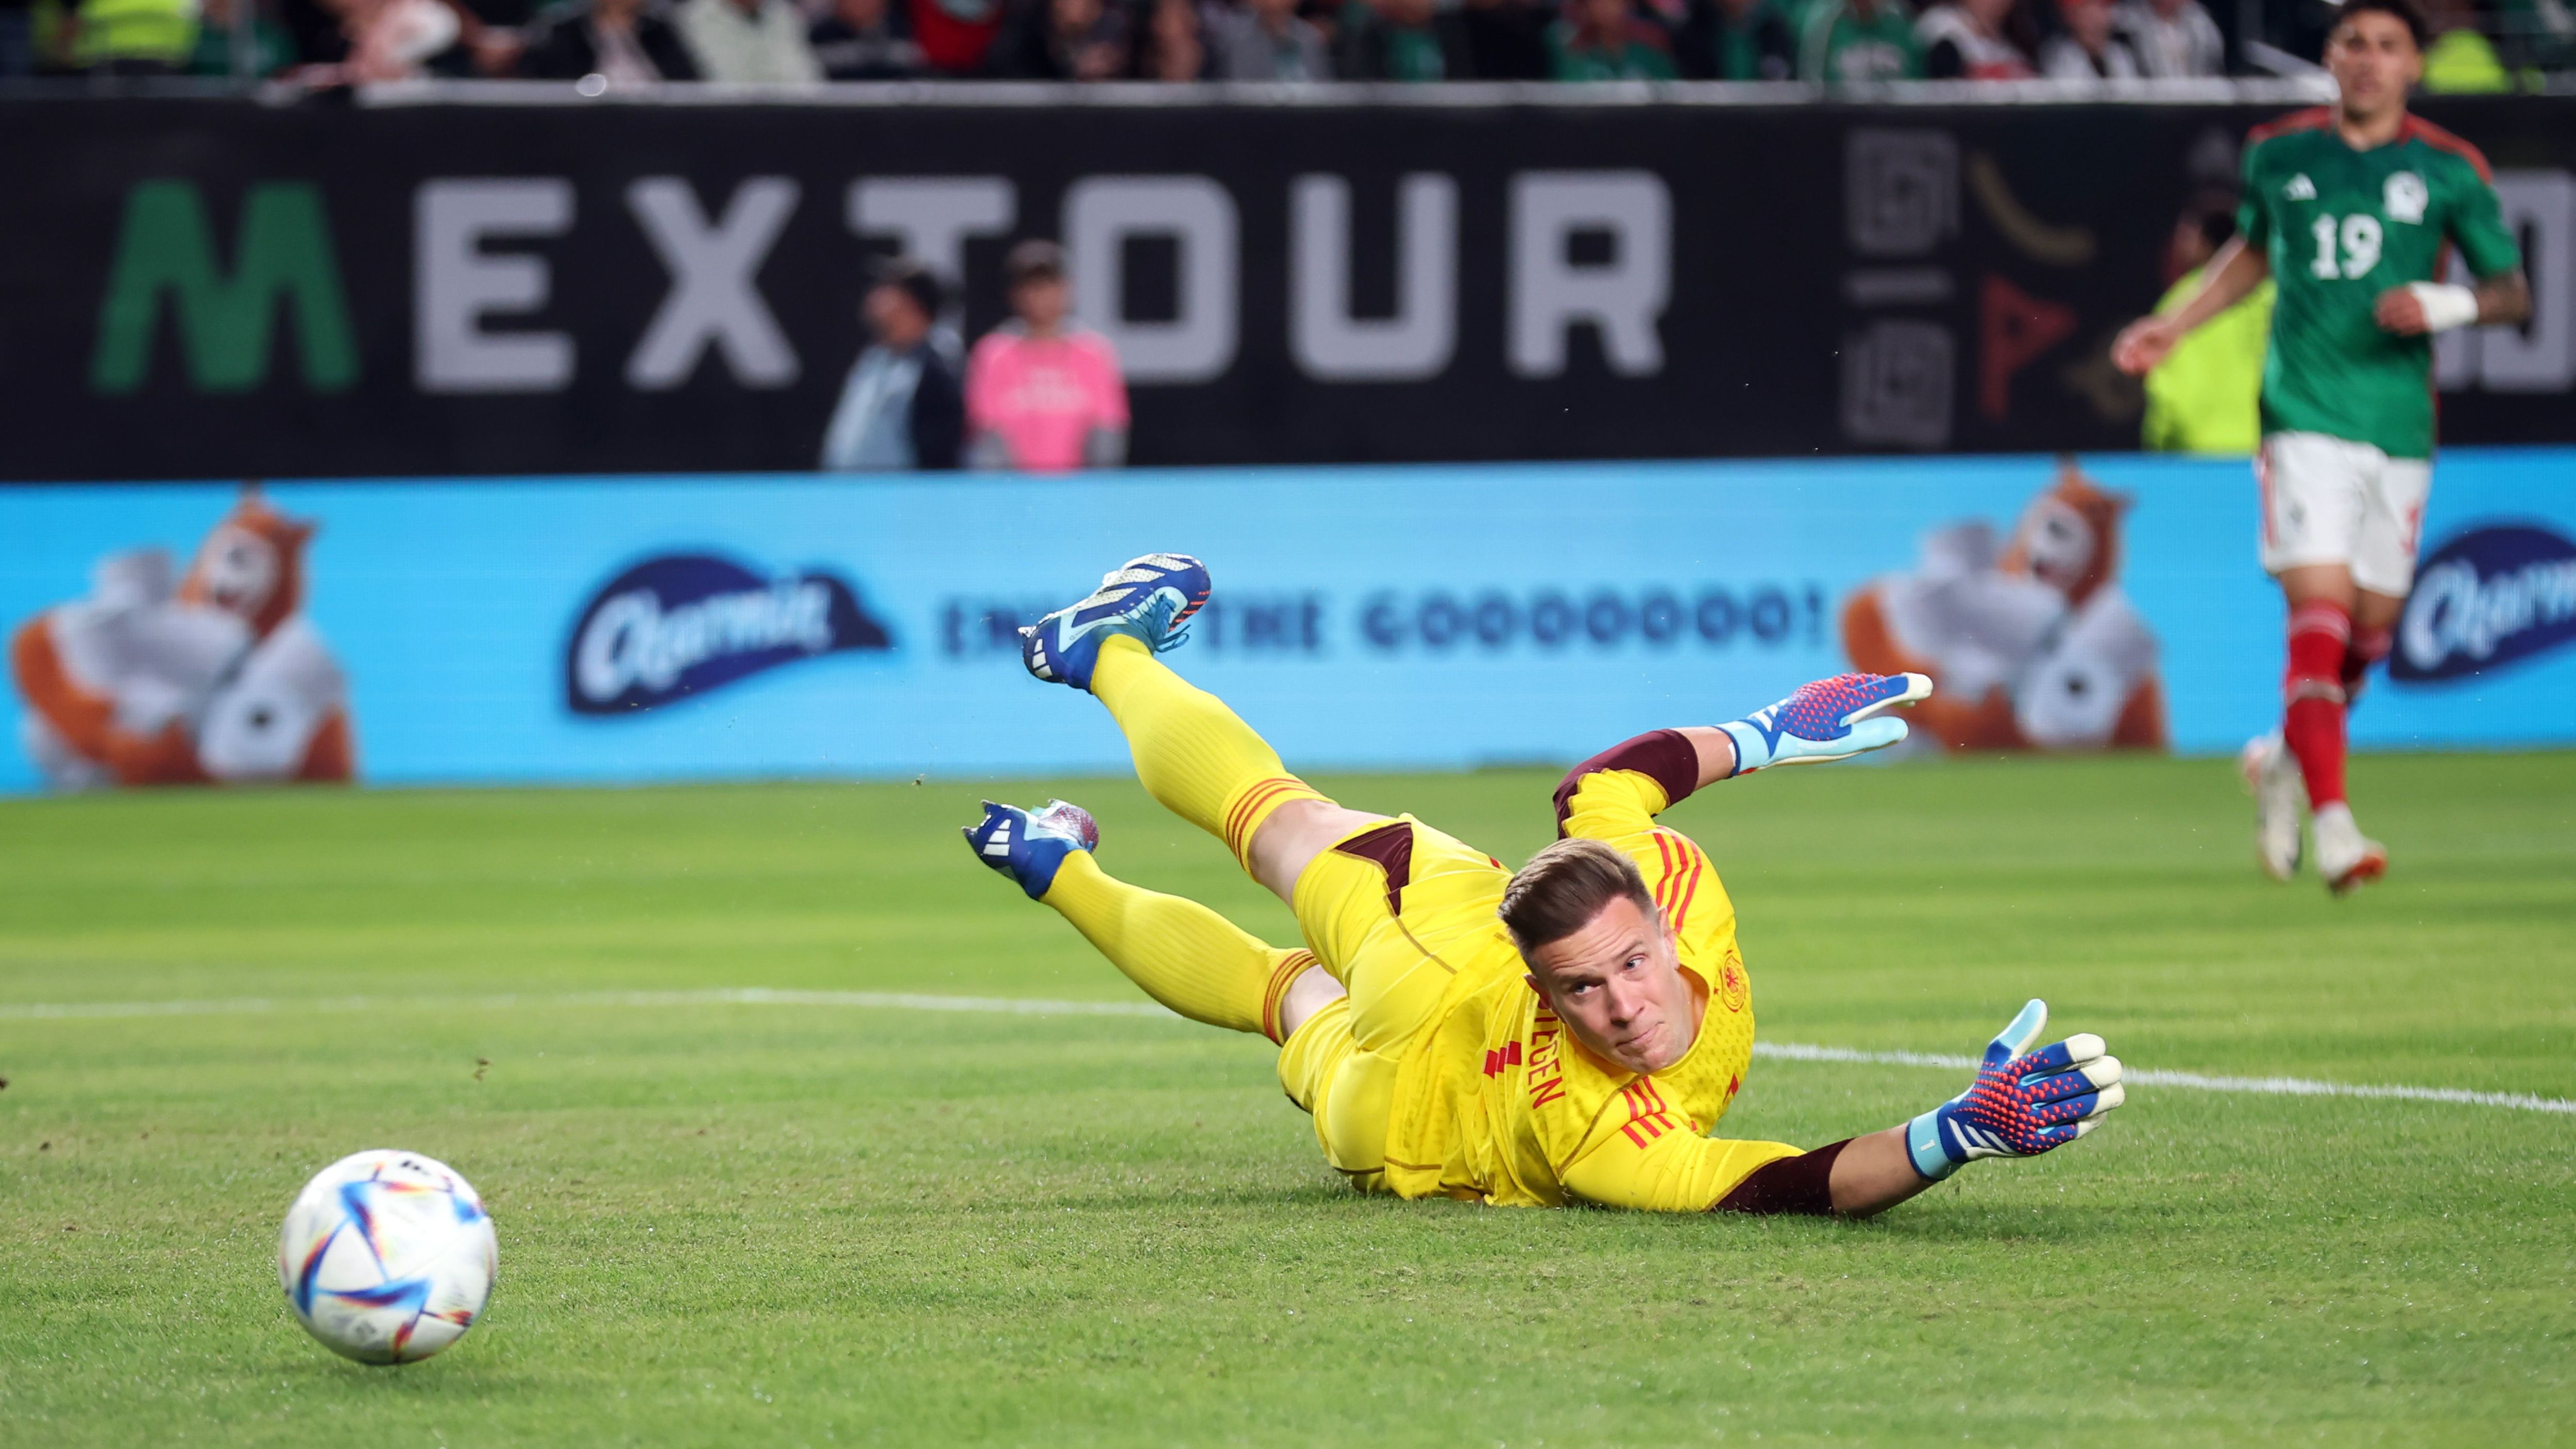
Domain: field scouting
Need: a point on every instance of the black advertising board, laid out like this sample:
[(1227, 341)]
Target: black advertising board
[(209, 288)]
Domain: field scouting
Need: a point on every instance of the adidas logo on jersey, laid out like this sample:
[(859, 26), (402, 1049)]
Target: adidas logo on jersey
[(2300, 189)]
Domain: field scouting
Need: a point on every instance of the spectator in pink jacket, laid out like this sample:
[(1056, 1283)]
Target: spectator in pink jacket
[(1043, 395)]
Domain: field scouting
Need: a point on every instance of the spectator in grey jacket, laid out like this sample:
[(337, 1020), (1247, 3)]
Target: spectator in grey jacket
[(1266, 40), (902, 407), (748, 42)]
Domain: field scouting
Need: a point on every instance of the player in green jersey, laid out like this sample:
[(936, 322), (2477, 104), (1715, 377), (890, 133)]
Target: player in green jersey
[(2351, 209)]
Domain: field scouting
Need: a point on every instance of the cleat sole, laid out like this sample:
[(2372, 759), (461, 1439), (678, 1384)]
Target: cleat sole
[(2365, 870)]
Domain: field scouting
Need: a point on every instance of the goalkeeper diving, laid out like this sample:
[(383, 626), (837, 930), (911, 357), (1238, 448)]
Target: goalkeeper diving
[(1569, 1031)]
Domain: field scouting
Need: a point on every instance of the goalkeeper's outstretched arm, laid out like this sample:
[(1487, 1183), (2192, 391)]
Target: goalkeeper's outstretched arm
[(2027, 1099), (1830, 719)]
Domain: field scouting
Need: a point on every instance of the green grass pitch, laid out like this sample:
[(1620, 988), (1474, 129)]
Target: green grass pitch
[(740, 1224)]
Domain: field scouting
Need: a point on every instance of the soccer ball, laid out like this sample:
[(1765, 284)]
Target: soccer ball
[(387, 1257)]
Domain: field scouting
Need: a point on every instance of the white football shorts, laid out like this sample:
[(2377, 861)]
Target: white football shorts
[(2329, 500)]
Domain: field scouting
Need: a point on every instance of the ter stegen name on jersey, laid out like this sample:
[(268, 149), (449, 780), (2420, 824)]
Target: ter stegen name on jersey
[(2340, 227)]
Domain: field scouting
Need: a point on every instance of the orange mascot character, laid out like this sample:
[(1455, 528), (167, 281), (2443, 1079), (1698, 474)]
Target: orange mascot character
[(220, 679), (2033, 646)]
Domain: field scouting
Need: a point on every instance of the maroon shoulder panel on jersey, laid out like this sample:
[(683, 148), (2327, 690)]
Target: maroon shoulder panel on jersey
[(2312, 119), (1666, 757), (2419, 129)]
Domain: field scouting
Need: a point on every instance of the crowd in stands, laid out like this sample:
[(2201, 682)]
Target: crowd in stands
[(627, 42)]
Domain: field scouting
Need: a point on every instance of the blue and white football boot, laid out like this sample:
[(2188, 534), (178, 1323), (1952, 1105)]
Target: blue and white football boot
[(1029, 846), (1147, 599)]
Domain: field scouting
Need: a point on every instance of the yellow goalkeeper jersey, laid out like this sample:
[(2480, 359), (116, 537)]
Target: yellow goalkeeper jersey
[(1496, 1100)]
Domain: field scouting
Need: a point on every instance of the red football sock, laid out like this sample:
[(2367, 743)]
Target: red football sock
[(2367, 647), (2312, 726)]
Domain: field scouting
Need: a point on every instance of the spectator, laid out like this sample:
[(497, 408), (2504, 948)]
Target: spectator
[(748, 42), (2461, 60), (381, 40), (1603, 40), (1964, 40), (901, 408), (2537, 34), (864, 40), (2090, 48), (313, 31), (496, 34), (1174, 45), (269, 49), (1506, 39), (1043, 395), (954, 35), (1401, 40), (1738, 40), (2173, 38), (1266, 40), (1061, 40), (625, 42), (133, 37), (2203, 398), (1843, 42)]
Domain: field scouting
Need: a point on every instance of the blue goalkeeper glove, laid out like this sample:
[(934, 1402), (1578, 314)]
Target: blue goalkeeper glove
[(1827, 720), (2023, 1102)]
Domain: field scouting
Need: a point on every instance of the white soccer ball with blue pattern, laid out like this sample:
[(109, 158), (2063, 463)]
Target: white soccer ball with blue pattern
[(387, 1257)]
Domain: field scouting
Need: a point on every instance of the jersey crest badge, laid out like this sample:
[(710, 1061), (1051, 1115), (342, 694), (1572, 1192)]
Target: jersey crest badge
[(2299, 189), (2405, 197), (1732, 989)]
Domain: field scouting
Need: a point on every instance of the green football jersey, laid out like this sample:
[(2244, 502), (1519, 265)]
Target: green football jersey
[(2340, 227)]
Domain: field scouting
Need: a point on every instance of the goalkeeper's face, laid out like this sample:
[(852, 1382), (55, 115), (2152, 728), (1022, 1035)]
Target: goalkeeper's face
[(1617, 984)]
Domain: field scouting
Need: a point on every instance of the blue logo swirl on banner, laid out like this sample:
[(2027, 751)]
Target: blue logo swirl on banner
[(2486, 598), (682, 624)]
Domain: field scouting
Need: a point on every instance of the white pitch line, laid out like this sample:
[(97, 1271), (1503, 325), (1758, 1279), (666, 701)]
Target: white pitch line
[(2193, 1081), (1034, 1006)]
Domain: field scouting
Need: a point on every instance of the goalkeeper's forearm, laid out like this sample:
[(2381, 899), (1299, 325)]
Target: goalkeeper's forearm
[(1700, 755), (1829, 719), (1850, 1179), (1875, 1173), (1716, 751)]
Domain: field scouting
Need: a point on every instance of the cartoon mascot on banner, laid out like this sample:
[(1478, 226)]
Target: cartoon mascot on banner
[(219, 680), (2033, 645)]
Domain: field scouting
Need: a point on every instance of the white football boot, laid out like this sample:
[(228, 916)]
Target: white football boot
[(2272, 774), (2346, 857)]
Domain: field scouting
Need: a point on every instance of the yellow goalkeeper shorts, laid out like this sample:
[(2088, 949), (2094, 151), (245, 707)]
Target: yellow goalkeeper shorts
[(1396, 911)]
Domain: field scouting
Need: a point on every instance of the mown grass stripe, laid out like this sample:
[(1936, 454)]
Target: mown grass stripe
[(740, 996), (1039, 1006)]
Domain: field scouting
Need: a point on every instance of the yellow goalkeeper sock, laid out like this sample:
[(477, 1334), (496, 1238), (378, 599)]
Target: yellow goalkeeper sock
[(1192, 753), (1186, 956)]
